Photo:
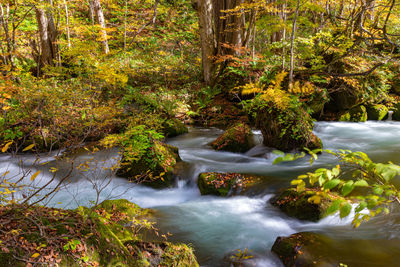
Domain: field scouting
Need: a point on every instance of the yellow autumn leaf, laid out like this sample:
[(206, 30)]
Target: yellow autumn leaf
[(35, 255), (315, 199), (5, 148), (28, 147), (33, 177)]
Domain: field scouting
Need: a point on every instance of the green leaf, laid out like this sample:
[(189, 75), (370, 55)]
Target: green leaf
[(361, 183), (378, 190), (331, 184), (345, 210), (361, 206), (334, 207), (347, 188)]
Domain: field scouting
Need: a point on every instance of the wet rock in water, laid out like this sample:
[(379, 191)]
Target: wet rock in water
[(296, 204), (173, 127), (377, 112), (356, 114), (225, 184), (312, 249), (156, 170), (239, 258), (292, 132), (238, 138), (396, 113)]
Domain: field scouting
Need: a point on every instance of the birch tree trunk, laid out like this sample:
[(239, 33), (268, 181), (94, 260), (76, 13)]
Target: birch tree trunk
[(101, 21), (292, 37)]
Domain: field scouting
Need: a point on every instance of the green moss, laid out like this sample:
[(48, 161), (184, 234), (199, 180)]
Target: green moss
[(296, 204), (174, 127), (238, 138), (178, 255), (287, 129), (224, 184), (356, 114), (158, 171), (377, 112)]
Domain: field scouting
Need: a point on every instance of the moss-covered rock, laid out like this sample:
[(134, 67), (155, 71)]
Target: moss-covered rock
[(312, 249), (225, 184), (237, 138), (356, 114), (377, 112), (291, 249), (287, 130), (396, 112), (156, 169), (296, 204), (111, 234), (239, 258), (174, 127)]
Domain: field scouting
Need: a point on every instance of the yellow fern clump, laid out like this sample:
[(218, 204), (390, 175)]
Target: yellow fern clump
[(273, 93), (306, 89)]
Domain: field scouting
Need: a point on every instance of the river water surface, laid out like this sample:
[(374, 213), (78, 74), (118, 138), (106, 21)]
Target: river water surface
[(216, 226)]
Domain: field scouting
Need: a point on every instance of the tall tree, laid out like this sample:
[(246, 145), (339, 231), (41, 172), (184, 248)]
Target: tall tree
[(98, 11), (47, 55)]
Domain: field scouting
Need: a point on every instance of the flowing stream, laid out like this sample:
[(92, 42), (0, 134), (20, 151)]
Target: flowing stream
[(216, 226)]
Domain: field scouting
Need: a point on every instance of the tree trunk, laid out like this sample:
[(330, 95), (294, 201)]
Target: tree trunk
[(101, 21), (292, 44), (48, 37), (208, 49)]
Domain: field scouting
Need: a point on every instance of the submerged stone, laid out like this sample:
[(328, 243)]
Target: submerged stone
[(296, 204), (313, 249), (156, 170), (225, 184), (238, 138)]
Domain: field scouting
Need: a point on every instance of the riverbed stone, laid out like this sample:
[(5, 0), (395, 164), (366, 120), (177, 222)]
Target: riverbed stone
[(174, 127), (377, 112), (356, 114), (239, 258), (294, 132), (315, 249), (225, 184), (156, 170), (296, 204), (237, 138)]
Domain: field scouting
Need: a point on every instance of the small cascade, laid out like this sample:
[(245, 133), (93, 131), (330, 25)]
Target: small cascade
[(390, 114)]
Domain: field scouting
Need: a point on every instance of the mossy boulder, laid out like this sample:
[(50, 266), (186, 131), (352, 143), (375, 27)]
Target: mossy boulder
[(356, 114), (287, 130), (155, 168), (240, 258), (237, 138), (174, 127), (314, 249), (111, 234), (396, 112), (291, 250), (296, 204), (225, 184), (377, 112)]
